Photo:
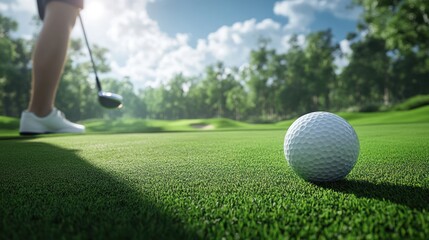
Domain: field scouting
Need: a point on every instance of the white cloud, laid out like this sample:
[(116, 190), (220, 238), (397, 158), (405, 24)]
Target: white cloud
[(4, 7), (343, 60), (345, 46), (301, 13), (28, 6), (298, 14), (232, 44), (185, 60), (141, 43)]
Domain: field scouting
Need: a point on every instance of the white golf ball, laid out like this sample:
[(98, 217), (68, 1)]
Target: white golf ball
[(321, 147)]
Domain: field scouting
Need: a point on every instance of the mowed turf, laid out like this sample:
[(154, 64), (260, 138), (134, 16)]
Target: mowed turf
[(130, 125), (210, 185)]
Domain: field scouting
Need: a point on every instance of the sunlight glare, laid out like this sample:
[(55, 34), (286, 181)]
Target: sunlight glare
[(94, 9)]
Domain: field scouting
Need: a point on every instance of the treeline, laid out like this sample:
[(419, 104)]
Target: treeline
[(383, 69)]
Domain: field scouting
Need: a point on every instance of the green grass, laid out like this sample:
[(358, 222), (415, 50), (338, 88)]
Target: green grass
[(9, 126), (8, 122), (412, 103), (142, 125), (211, 185), (419, 115), (139, 125)]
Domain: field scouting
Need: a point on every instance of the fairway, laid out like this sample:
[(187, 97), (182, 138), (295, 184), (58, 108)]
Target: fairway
[(210, 185)]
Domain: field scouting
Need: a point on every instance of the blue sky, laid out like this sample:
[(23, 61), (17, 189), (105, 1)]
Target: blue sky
[(207, 16), (151, 40), (201, 17)]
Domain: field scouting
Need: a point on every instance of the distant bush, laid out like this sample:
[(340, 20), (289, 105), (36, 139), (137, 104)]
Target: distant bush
[(412, 103), (370, 107), (260, 120)]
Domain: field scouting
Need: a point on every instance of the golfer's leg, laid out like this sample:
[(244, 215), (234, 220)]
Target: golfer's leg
[(50, 54)]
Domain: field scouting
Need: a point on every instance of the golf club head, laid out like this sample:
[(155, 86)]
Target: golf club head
[(109, 100)]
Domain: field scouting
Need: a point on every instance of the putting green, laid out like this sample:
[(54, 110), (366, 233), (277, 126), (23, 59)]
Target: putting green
[(210, 185)]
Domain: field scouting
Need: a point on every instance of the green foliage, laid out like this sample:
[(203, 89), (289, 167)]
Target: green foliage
[(410, 74), (261, 80), (175, 98), (403, 24), (14, 71), (210, 185), (289, 84), (7, 26), (401, 28), (369, 107), (294, 94), (366, 77), (320, 52)]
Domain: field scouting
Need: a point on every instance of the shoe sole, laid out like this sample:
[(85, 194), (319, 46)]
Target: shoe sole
[(40, 133), (33, 133)]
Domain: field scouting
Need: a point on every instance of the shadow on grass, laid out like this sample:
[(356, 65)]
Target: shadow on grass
[(47, 192), (410, 196)]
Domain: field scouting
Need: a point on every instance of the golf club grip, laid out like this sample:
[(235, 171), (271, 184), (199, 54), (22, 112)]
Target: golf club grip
[(90, 55)]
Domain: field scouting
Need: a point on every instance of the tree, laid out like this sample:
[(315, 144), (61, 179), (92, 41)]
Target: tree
[(196, 104), (403, 24), (236, 101), (294, 92), (402, 28), (261, 81), (174, 96), (366, 79), (409, 75), (218, 81), (14, 70), (320, 68)]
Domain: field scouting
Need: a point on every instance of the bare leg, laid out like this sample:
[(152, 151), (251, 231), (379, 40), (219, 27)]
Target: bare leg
[(50, 55)]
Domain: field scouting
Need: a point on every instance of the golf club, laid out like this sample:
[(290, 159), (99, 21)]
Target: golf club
[(106, 99)]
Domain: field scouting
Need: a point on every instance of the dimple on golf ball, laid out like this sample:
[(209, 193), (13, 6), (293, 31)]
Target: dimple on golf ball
[(321, 147)]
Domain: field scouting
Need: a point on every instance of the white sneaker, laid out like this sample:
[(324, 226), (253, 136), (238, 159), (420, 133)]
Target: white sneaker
[(55, 122)]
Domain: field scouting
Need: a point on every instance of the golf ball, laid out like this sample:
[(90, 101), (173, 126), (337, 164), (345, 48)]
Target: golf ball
[(321, 147)]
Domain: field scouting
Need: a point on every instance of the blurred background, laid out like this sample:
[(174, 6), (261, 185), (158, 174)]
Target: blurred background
[(254, 61)]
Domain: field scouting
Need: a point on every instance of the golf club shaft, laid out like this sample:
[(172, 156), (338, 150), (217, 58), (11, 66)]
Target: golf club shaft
[(90, 55)]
